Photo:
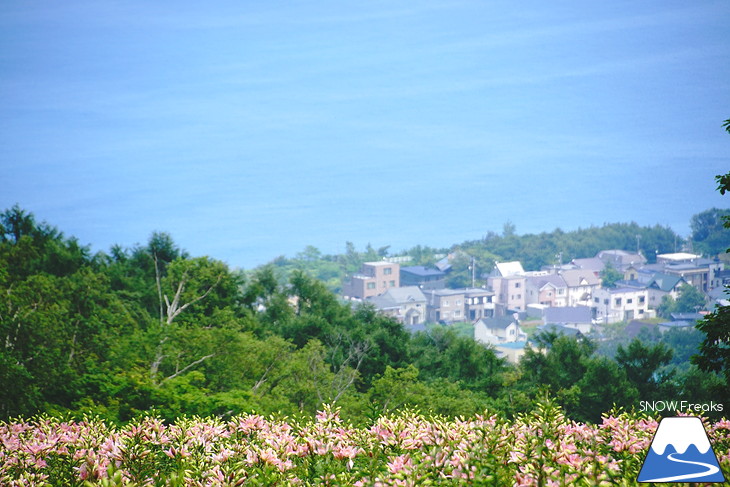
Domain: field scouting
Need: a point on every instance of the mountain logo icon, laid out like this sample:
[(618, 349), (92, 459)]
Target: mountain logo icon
[(681, 452)]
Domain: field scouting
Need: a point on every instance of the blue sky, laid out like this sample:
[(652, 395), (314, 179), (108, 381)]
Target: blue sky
[(249, 130)]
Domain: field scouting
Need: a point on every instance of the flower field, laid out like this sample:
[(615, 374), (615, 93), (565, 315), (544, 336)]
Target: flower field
[(541, 448)]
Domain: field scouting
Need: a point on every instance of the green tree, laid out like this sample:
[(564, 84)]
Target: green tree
[(689, 300), (192, 294), (709, 234), (442, 353), (641, 363), (400, 388), (584, 384), (714, 355), (610, 275), (603, 386)]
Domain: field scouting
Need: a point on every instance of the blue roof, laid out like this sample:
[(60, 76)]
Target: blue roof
[(677, 324), (512, 345), (420, 270)]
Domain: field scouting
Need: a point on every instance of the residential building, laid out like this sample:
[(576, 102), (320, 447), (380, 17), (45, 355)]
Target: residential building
[(682, 321), (621, 304), (719, 297), (374, 278), (510, 291), (581, 285), (499, 330), (560, 330), (593, 264), (657, 286), (621, 259), (511, 351), (577, 317), (545, 289), (424, 277), (507, 269), (445, 305), (406, 304), (508, 281), (697, 271), (479, 303), (661, 285), (451, 305)]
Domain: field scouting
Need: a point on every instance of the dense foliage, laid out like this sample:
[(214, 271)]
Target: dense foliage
[(154, 329), (539, 448)]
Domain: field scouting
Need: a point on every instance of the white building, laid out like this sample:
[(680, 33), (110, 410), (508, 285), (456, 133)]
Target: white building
[(621, 304)]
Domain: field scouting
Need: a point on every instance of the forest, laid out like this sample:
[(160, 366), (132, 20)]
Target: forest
[(153, 330)]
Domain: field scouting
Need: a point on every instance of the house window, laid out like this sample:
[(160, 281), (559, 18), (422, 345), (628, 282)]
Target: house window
[(387, 271), (596, 300), (641, 299), (560, 291), (371, 285), (517, 284), (446, 303), (392, 283), (457, 313), (618, 301), (629, 301), (458, 302)]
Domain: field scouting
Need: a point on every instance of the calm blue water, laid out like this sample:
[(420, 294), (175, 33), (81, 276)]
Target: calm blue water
[(248, 214), (403, 207)]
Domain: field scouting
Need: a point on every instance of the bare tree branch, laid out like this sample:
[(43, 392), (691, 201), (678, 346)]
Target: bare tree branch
[(187, 367)]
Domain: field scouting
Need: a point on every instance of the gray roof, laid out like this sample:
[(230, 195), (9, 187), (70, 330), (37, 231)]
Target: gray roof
[(621, 258), (560, 329), (422, 271), (444, 292), (443, 264), (665, 282), (719, 293), (687, 316), (397, 296), (575, 278), (620, 290), (689, 266), (592, 264), (542, 281), (677, 324), (471, 291), (633, 283), (499, 322), (573, 314)]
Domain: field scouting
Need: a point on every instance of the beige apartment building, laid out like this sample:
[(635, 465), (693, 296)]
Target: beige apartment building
[(373, 279)]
